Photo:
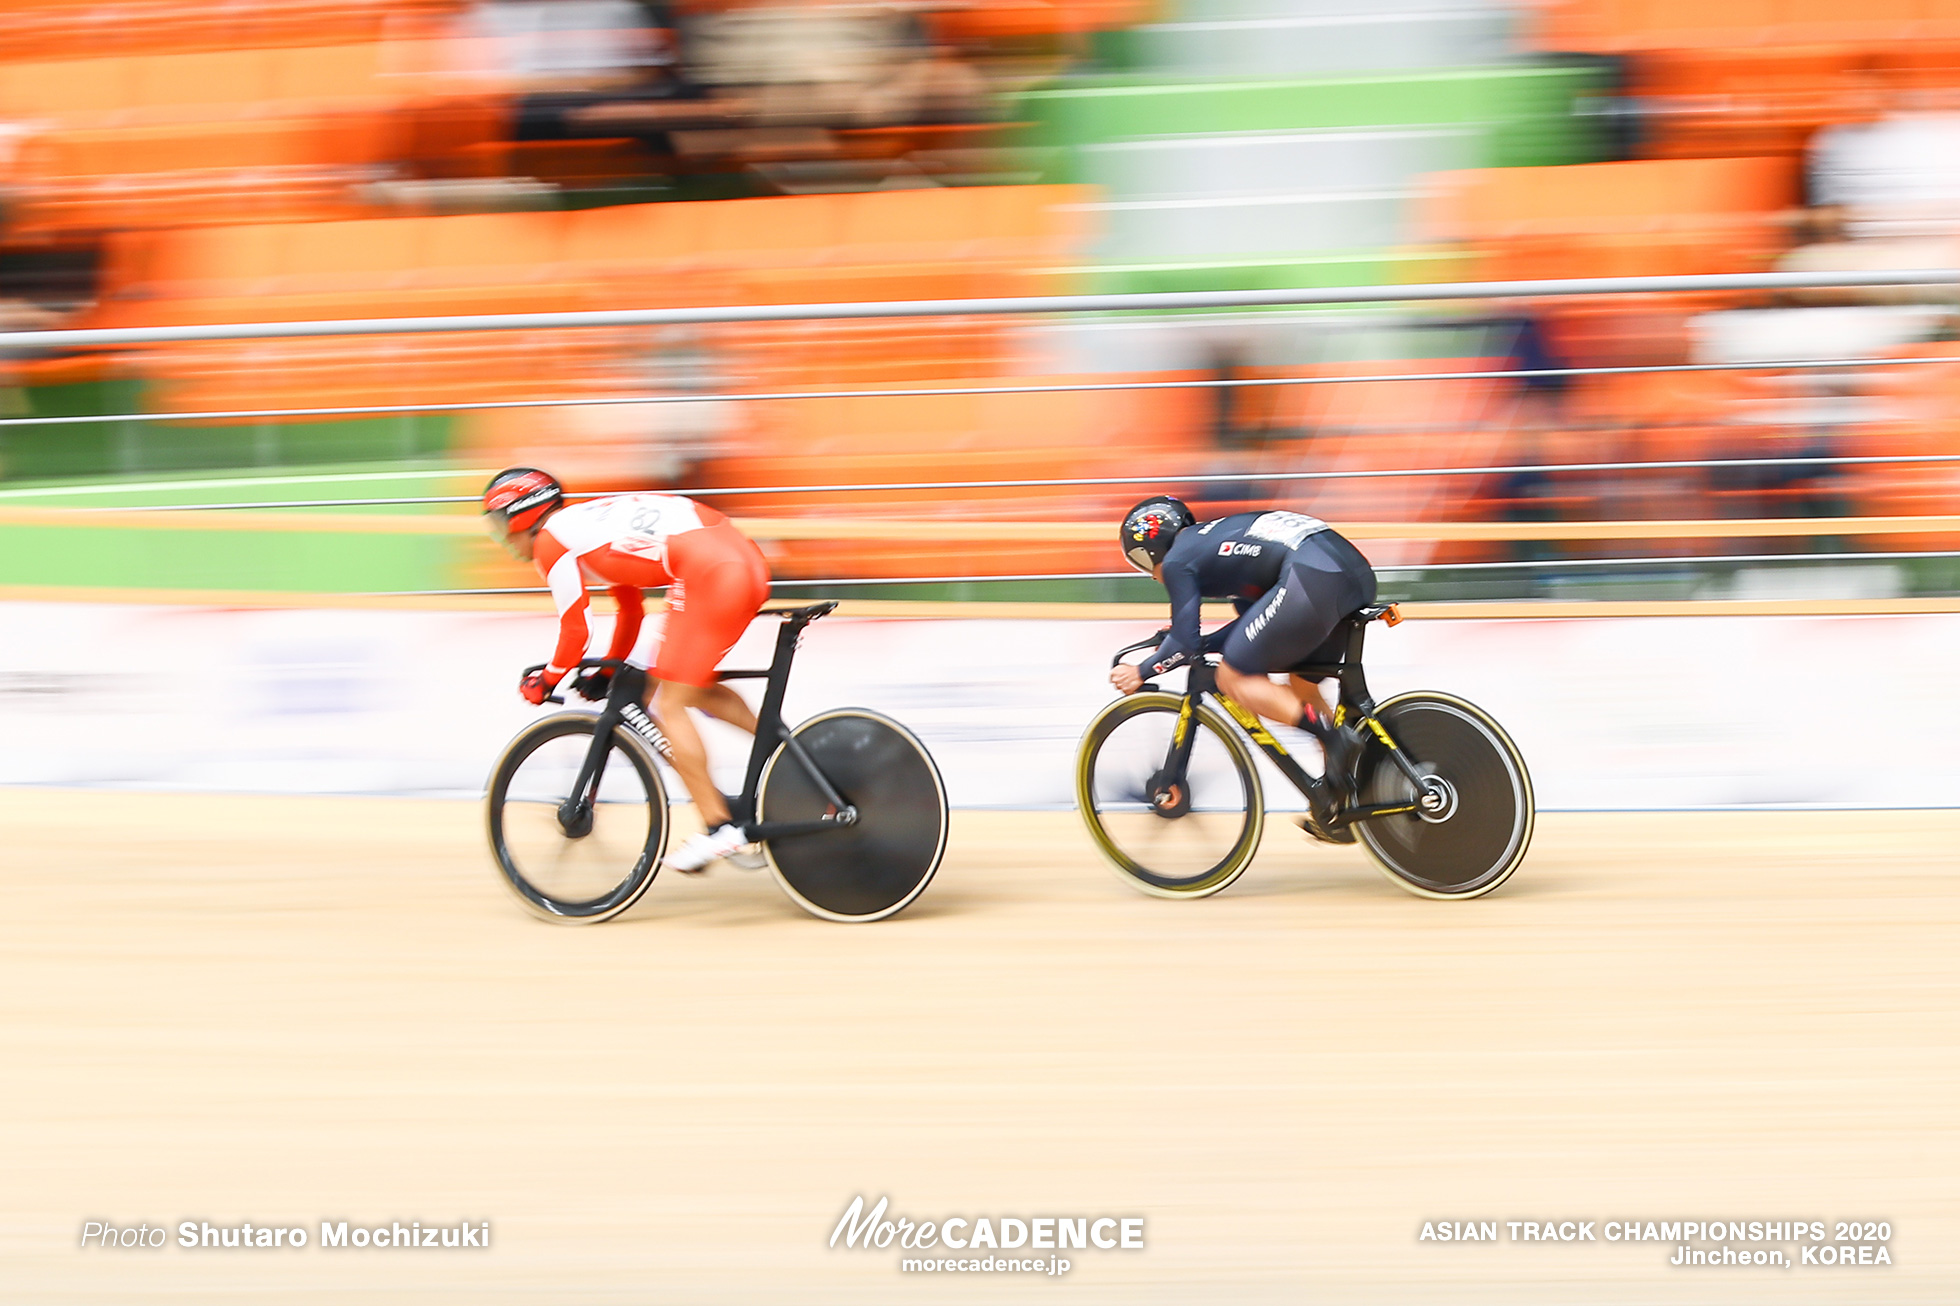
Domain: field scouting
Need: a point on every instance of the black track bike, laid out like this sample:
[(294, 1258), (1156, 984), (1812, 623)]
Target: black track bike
[(1438, 794), (848, 807)]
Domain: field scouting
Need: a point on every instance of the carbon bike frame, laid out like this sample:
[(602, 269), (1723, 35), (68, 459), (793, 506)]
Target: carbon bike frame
[(623, 708), (1356, 706)]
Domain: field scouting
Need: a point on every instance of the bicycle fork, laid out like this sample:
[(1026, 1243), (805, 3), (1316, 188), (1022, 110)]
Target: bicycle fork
[(622, 707), (1169, 790)]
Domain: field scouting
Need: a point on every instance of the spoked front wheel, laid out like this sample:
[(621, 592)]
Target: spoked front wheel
[(875, 867), (594, 861), (1475, 808), (1173, 836)]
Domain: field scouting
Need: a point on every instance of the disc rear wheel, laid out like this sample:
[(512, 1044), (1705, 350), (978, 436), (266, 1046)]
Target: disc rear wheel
[(873, 868), (1475, 809)]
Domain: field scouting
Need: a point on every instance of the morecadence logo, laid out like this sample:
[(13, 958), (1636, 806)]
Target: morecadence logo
[(982, 1237)]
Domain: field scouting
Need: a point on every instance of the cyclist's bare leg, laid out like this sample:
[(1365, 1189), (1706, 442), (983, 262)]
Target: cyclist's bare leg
[(1309, 694), (690, 757), (1335, 751), (1260, 693), (724, 704), (719, 702)]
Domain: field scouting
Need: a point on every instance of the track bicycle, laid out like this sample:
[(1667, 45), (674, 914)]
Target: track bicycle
[(1438, 794), (848, 807)]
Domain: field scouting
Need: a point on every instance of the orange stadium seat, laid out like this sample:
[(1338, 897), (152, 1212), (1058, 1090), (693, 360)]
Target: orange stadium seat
[(43, 29), (844, 441), (64, 88), (1742, 77), (1021, 18), (200, 78), (284, 133), (1644, 217), (957, 438), (1768, 100), (1619, 26), (471, 249), (648, 255)]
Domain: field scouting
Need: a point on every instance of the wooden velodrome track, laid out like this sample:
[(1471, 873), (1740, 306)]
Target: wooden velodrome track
[(286, 1010)]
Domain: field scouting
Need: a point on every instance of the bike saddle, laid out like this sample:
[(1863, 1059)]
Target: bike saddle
[(1387, 612), (802, 615)]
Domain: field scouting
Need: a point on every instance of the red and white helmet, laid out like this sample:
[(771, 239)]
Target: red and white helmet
[(518, 498)]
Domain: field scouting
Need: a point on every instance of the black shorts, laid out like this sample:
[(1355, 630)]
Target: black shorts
[(1321, 582)]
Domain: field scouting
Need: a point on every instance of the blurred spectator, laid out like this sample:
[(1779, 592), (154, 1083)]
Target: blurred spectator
[(1793, 490), (590, 70), (1532, 350), (835, 66), (718, 89), (1533, 495), (1885, 195), (1896, 177), (567, 44), (1825, 244)]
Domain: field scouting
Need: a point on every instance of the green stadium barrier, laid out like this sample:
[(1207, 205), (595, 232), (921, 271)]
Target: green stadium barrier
[(1533, 112), (290, 561)]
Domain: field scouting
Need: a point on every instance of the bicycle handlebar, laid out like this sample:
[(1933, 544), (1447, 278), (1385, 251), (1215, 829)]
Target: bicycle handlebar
[(1151, 642), (607, 664)]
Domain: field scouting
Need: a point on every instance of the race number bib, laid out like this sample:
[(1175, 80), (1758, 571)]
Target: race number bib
[(1288, 528), (651, 522)]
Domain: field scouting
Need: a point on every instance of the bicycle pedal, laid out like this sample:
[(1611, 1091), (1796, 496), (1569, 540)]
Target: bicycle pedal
[(752, 860), (1315, 829)]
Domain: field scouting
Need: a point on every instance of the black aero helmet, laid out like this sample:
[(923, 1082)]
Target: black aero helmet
[(1149, 528), (519, 498)]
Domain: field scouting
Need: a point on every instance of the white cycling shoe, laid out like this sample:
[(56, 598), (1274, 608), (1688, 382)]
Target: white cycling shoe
[(726, 841)]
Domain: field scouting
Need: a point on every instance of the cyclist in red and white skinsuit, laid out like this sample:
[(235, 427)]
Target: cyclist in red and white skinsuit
[(716, 581)]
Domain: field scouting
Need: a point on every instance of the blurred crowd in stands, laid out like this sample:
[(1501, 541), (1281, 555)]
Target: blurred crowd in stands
[(170, 161), (1785, 137), (173, 160), (118, 115)]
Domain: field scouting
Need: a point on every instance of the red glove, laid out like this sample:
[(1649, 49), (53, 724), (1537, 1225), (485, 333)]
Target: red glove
[(537, 686)]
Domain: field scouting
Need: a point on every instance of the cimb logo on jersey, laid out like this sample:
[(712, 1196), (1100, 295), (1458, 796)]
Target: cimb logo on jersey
[(1236, 549)]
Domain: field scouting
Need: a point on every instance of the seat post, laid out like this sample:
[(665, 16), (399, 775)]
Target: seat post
[(769, 730), (1354, 682)]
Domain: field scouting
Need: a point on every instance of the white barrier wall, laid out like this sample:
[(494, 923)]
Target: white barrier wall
[(1610, 713)]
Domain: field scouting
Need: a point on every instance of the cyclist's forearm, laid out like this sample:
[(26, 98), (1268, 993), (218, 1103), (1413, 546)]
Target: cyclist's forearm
[(626, 627), (1170, 657), (1184, 641), (573, 633)]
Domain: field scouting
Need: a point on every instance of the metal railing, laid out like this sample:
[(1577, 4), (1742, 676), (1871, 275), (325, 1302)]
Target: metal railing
[(28, 343), (918, 392), (1091, 482), (1159, 302)]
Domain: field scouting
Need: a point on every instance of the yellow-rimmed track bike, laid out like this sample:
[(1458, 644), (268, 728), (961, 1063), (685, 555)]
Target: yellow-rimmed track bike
[(1168, 785)]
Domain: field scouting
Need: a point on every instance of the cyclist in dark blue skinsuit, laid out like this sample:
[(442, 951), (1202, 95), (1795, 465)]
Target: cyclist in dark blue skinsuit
[(1292, 578)]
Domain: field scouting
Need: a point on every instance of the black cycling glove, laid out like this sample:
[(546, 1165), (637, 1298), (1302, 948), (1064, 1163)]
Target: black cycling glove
[(593, 684)]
